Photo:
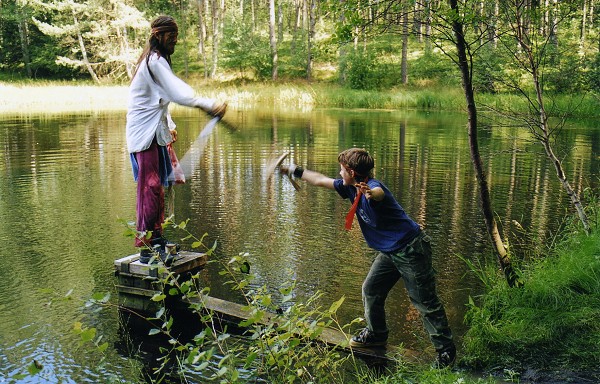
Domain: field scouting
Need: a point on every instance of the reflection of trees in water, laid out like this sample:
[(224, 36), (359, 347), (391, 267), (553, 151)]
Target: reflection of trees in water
[(424, 160), (68, 180)]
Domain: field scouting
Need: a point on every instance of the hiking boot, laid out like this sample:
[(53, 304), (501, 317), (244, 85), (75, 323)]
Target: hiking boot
[(366, 338), (445, 357), (167, 259), (145, 255), (166, 245), (159, 254), (172, 248)]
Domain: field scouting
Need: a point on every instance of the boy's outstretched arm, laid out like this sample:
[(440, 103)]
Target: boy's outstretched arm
[(311, 177)]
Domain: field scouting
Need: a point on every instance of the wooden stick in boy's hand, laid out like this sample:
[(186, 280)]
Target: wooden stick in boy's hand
[(278, 165)]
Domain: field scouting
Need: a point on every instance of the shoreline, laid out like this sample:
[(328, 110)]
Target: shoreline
[(61, 98)]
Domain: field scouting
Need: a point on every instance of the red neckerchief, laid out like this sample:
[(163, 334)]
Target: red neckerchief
[(352, 211)]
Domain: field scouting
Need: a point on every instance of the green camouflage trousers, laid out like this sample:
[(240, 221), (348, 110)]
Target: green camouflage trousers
[(413, 265)]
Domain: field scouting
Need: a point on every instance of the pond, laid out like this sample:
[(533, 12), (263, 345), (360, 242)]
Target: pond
[(67, 186)]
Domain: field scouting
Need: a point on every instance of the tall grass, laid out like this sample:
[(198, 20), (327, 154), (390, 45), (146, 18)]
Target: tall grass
[(553, 321), (62, 96)]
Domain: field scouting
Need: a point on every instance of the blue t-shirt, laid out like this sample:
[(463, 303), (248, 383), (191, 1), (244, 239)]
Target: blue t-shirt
[(384, 224)]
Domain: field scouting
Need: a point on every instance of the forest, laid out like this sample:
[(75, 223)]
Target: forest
[(357, 43)]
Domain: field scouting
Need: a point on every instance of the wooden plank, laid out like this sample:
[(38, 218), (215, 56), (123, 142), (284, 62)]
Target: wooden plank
[(184, 261), (137, 298), (137, 286), (136, 291), (329, 336)]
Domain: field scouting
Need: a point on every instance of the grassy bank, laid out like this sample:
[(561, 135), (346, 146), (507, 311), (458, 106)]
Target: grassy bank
[(56, 97), (552, 323), (546, 332)]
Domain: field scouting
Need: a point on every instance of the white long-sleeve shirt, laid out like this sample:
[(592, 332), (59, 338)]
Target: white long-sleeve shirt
[(148, 104)]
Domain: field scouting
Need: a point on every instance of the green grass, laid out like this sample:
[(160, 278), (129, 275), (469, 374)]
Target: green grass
[(408, 374), (552, 322), (67, 95)]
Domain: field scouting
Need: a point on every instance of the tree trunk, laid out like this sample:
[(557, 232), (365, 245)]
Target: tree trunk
[(494, 30), (545, 139), (85, 60), (183, 32), (404, 65), (592, 10), (273, 40), (279, 22), (311, 33), (343, 53), (486, 205), (583, 28), (428, 25), (418, 21), (202, 35), (124, 47), (215, 37), (554, 27), (253, 13), (24, 35), (297, 19)]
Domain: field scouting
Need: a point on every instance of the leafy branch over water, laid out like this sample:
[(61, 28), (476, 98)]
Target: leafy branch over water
[(280, 342)]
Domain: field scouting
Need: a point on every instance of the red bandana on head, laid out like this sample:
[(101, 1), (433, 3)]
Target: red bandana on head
[(164, 28)]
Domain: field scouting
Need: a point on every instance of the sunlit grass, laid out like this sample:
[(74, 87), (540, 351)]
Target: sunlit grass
[(58, 97)]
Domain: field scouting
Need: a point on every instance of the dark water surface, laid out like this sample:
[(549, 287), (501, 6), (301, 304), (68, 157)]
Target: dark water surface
[(66, 183)]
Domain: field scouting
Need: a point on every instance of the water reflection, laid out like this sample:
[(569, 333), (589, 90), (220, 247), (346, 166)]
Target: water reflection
[(67, 181)]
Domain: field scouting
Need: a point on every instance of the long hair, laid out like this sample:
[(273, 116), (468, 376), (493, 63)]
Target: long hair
[(159, 26)]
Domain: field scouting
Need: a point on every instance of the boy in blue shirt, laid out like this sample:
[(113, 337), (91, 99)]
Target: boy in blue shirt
[(404, 251)]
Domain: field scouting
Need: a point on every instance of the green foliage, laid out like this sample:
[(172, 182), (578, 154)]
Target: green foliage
[(551, 321), (487, 70), (245, 52), (42, 49), (115, 31), (555, 315), (435, 66), (293, 56), (281, 343), (567, 76), (359, 70), (405, 374), (594, 73)]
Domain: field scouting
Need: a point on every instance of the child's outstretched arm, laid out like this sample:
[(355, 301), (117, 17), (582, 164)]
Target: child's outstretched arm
[(311, 177)]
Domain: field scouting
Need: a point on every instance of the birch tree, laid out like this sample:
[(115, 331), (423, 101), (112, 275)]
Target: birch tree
[(217, 8), (273, 40), (22, 16), (103, 37), (529, 49), (312, 21)]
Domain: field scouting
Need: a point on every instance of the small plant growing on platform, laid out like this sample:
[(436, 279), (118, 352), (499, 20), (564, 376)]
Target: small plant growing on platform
[(280, 335)]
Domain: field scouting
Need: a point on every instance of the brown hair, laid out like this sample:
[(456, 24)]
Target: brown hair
[(358, 160), (160, 26)]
